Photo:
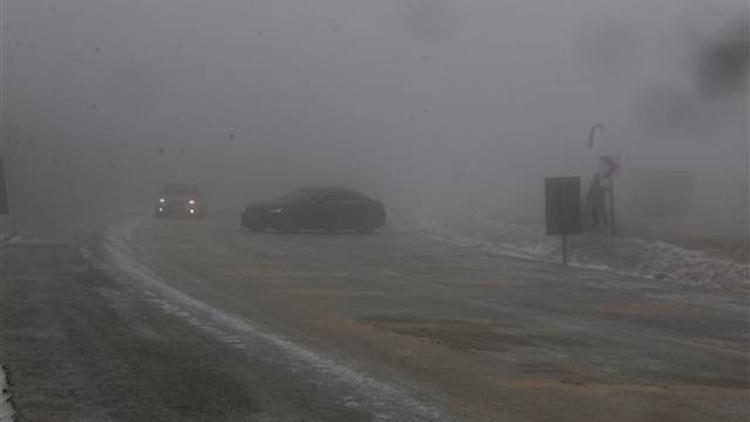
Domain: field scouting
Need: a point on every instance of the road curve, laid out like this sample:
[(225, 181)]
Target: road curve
[(201, 320)]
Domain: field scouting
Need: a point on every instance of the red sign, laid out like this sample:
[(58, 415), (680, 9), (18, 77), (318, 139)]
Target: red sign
[(610, 165)]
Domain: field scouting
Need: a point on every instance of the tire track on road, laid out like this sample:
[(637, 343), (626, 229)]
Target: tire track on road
[(350, 388)]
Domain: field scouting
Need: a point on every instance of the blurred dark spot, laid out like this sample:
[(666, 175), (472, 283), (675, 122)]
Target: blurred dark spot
[(432, 20), (161, 150), (719, 71), (232, 136), (94, 107), (333, 25), (721, 67), (111, 164), (181, 151), (68, 162), (52, 8), (97, 50)]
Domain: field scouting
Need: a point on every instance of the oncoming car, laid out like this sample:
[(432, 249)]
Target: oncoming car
[(180, 200), (330, 209)]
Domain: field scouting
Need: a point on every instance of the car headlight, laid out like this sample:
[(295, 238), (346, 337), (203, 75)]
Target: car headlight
[(275, 211), (191, 202), (162, 200)]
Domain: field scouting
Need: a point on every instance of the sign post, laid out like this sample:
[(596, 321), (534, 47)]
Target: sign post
[(610, 167), (563, 209)]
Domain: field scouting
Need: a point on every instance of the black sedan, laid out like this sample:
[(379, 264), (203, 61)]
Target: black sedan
[(180, 200), (330, 209)]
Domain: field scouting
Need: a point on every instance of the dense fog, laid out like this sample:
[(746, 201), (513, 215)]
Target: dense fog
[(444, 109)]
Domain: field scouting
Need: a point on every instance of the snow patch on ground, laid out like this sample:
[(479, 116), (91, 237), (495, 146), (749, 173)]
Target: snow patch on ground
[(6, 409), (387, 401), (635, 256), (6, 239)]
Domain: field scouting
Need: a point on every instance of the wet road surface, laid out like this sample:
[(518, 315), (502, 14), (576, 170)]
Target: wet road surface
[(201, 320)]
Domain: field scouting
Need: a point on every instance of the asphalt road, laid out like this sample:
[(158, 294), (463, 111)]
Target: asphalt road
[(200, 320)]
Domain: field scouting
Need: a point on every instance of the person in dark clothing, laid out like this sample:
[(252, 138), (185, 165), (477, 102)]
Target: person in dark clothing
[(596, 200)]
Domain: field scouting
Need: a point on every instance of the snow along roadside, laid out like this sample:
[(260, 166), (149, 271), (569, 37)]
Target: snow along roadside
[(648, 258), (386, 401)]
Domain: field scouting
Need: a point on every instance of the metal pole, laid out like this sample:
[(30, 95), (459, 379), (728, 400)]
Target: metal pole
[(4, 129), (612, 204)]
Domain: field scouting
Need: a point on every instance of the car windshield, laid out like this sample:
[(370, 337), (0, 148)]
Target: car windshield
[(179, 189), (300, 195)]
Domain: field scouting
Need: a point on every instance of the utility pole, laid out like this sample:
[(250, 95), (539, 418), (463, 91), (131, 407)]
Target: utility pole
[(612, 206), (4, 129)]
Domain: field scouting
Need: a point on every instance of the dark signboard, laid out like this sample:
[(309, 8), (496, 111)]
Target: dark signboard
[(563, 205)]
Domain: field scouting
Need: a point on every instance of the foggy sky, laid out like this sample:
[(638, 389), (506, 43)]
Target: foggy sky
[(428, 104)]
